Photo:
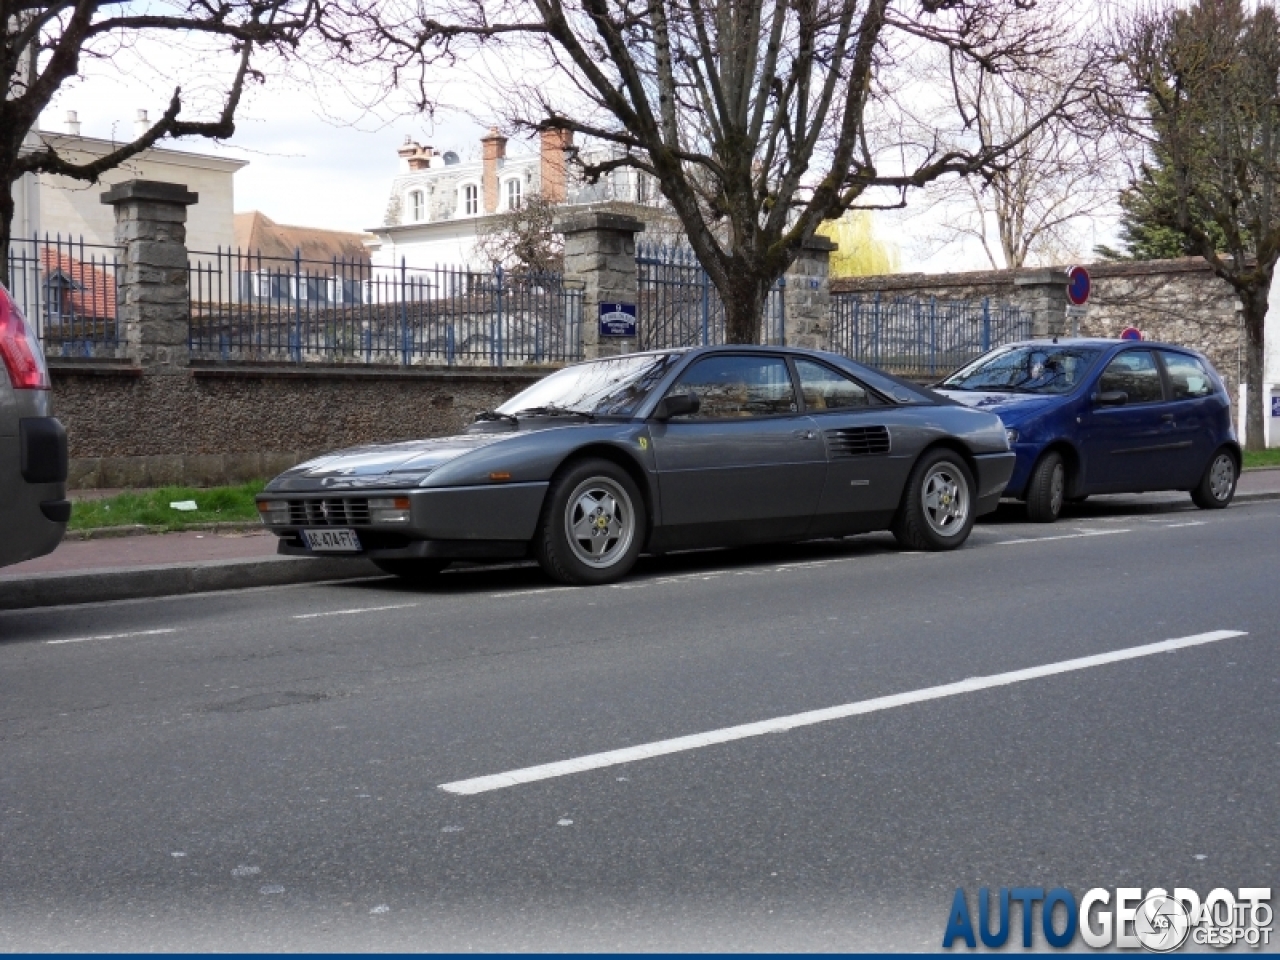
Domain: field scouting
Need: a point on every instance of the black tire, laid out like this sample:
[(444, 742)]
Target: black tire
[(413, 570), (924, 520), (1218, 484), (599, 501), (1047, 490)]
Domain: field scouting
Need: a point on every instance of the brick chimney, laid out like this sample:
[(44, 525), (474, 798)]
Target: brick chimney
[(415, 156), (495, 151), (552, 145)]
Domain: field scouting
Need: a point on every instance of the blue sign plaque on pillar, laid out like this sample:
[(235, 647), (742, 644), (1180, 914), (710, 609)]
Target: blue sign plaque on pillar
[(617, 319)]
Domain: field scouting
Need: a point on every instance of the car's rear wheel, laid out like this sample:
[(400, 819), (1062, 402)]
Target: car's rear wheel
[(1047, 490), (421, 570), (1218, 485), (937, 506), (592, 525)]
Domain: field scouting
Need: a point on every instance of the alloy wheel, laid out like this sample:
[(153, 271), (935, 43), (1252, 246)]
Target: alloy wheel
[(599, 522), (945, 497)]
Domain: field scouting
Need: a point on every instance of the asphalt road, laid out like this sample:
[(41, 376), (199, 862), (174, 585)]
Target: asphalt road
[(264, 769)]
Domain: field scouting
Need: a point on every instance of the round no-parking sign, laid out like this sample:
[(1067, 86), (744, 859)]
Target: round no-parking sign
[(1079, 286)]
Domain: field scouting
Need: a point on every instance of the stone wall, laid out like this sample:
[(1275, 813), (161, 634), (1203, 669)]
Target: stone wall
[(227, 424), (1175, 301)]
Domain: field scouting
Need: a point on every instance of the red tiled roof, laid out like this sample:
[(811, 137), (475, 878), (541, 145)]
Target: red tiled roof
[(94, 293)]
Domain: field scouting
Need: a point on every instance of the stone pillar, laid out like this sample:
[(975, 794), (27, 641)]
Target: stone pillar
[(600, 254), (153, 300), (806, 296), (1044, 293)]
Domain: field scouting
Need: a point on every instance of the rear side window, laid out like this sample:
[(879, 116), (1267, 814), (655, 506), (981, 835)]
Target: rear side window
[(824, 389), (731, 387), (1134, 372), (1188, 378)]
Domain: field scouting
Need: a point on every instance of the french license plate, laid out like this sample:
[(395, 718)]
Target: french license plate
[(332, 541)]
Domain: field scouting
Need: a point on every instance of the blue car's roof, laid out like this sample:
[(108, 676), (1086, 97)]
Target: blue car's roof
[(1095, 342)]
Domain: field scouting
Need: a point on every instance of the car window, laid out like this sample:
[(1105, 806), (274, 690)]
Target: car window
[(1188, 378), (1133, 372), (824, 389), (745, 386)]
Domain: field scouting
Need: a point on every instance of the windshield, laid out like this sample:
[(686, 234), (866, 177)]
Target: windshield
[(1040, 368), (603, 388)]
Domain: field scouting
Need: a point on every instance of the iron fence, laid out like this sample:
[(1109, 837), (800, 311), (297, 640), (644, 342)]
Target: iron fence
[(679, 306), (921, 338), (66, 288), (250, 307)]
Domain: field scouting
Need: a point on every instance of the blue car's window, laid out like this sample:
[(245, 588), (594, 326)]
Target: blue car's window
[(1187, 376), (824, 389), (1134, 373), (730, 387), (604, 388), (1034, 368)]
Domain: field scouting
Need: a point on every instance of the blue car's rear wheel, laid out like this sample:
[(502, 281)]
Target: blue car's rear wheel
[(1218, 485), (592, 524)]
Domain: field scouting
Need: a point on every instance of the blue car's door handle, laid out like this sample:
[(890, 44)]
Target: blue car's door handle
[(1167, 417)]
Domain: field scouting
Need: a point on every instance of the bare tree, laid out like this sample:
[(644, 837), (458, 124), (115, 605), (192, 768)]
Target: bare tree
[(1200, 87), (46, 42), (1028, 207), (524, 239), (759, 119)]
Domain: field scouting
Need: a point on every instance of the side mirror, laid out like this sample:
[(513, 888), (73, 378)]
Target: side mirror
[(677, 405), (1111, 398)]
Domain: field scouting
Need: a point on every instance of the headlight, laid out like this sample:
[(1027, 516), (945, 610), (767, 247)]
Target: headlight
[(1012, 435), (388, 509), (273, 511)]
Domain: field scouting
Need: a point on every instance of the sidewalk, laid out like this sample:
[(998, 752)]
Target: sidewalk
[(157, 565)]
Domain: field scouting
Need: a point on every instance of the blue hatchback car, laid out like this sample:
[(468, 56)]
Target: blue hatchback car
[(1105, 416)]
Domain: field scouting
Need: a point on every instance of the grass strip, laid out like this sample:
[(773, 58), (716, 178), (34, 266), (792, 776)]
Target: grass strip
[(151, 507), (1262, 458)]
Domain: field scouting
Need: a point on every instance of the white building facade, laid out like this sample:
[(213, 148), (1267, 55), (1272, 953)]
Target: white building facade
[(439, 205)]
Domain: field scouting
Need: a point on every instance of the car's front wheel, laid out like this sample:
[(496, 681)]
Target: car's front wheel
[(592, 525), (1047, 490), (937, 506), (1218, 485), (412, 570)]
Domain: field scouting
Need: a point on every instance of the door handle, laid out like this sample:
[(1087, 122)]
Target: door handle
[(1168, 417), (804, 434)]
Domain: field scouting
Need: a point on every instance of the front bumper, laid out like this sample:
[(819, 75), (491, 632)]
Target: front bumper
[(495, 520), (993, 473)]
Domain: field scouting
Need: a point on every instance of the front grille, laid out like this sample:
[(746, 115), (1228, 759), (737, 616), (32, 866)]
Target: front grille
[(329, 512), (858, 442)]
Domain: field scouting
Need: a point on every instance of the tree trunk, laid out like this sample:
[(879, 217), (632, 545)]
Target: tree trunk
[(6, 227), (747, 290), (1255, 315)]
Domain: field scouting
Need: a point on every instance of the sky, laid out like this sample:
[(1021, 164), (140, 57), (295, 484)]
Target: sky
[(321, 150)]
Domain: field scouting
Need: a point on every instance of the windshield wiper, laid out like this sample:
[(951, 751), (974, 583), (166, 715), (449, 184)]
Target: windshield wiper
[(484, 415), (551, 410)]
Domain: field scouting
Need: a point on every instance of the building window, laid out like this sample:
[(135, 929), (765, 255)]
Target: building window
[(642, 188), (513, 194), (417, 208), (470, 200)]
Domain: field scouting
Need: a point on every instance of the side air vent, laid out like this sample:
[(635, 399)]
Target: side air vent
[(858, 442)]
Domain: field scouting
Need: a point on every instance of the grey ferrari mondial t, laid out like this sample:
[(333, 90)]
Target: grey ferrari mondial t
[(654, 452)]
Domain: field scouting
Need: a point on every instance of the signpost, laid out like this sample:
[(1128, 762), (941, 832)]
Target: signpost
[(1079, 286), (617, 320)]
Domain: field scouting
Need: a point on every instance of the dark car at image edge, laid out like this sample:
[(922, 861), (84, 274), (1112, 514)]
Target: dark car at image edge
[(657, 452)]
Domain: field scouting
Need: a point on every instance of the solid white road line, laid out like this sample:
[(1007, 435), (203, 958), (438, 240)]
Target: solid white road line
[(1064, 536), (337, 613), (116, 636), (660, 748)]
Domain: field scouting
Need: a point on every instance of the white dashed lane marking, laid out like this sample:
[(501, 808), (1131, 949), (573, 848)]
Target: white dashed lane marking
[(339, 613), (116, 636), (659, 748), (1064, 536)]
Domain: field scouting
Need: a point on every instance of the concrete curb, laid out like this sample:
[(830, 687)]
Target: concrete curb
[(166, 580)]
